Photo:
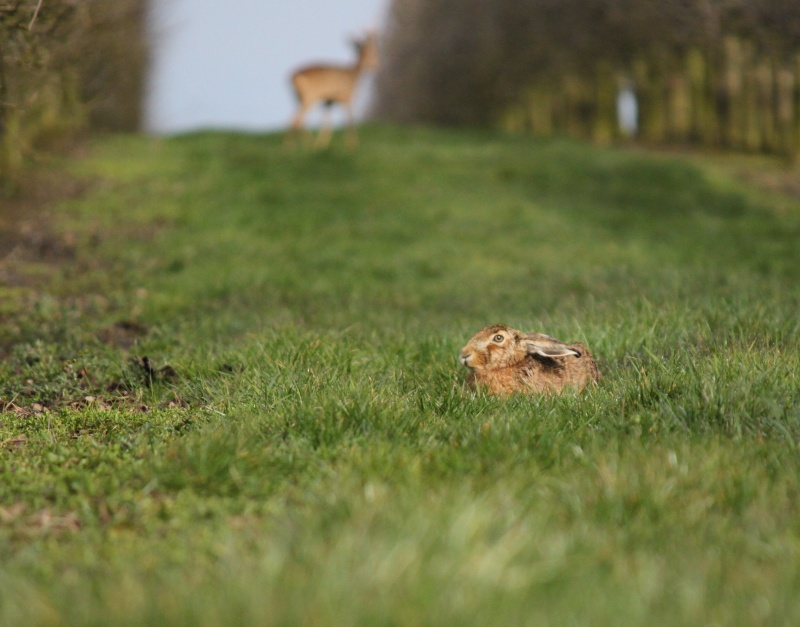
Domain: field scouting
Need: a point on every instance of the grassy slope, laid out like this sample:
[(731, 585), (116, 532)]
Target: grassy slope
[(330, 468)]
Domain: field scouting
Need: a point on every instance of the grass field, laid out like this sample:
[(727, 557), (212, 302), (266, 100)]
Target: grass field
[(299, 448)]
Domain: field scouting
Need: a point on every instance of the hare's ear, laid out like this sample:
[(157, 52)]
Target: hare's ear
[(546, 346)]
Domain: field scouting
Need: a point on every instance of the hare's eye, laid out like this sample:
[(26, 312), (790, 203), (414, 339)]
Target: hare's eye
[(498, 338)]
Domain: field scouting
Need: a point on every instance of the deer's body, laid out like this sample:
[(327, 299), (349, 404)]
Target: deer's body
[(331, 84)]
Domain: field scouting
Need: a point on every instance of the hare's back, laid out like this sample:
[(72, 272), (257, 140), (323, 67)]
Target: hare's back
[(583, 368), (556, 373)]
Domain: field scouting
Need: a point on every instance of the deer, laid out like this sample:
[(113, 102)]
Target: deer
[(331, 84)]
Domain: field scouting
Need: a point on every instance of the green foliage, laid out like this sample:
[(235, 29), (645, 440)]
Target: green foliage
[(720, 74), (318, 459), (64, 66)]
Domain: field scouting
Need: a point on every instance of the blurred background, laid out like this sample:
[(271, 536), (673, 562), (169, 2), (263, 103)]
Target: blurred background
[(723, 74), (227, 64)]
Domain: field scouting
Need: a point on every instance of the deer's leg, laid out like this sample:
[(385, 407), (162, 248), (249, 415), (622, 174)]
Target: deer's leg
[(351, 137), (325, 130), (297, 126)]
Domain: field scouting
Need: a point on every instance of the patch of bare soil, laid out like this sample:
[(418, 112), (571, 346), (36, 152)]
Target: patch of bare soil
[(123, 334), (32, 250), (26, 232), (38, 523), (786, 182), (765, 172)]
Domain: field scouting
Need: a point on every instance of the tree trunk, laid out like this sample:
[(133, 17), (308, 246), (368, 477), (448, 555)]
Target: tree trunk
[(3, 90)]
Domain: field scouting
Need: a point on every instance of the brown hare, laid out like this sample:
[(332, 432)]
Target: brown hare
[(503, 360)]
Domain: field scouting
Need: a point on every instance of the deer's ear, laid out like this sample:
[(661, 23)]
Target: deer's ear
[(546, 346)]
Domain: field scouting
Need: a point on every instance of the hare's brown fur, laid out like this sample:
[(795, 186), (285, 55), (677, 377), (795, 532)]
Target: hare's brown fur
[(503, 360)]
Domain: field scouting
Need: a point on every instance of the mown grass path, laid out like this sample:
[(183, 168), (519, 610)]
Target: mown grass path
[(299, 448)]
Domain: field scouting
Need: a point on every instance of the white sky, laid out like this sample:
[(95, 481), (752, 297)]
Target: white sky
[(226, 63)]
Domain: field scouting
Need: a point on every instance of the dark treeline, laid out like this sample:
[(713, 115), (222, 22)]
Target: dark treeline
[(716, 72), (67, 65)]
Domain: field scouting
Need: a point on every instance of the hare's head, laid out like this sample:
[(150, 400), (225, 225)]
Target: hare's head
[(499, 346)]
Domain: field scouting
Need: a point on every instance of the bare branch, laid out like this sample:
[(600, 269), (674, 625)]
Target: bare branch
[(35, 14)]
